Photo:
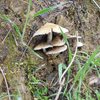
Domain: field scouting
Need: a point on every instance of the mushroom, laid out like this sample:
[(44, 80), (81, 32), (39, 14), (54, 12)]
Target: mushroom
[(48, 28), (56, 50), (52, 42), (79, 44)]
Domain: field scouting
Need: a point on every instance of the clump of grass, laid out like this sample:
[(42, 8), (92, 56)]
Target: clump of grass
[(79, 81), (37, 89)]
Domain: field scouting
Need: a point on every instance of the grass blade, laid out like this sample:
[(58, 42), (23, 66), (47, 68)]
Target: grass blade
[(83, 71), (66, 41), (60, 69), (46, 10), (16, 28)]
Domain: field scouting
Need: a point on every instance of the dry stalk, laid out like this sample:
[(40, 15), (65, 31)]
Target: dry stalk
[(96, 4), (5, 83), (60, 88), (6, 36)]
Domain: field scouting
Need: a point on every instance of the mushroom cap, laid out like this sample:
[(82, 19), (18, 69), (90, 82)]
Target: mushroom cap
[(56, 50), (57, 41), (48, 28), (79, 44), (42, 46)]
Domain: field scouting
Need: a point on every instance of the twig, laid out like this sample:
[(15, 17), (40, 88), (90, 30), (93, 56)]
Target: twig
[(15, 40), (60, 88), (96, 4), (5, 83), (6, 36)]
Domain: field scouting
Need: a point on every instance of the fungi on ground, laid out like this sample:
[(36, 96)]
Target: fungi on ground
[(53, 42), (56, 50)]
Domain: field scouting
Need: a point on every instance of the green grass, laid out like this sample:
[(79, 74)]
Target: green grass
[(83, 69), (67, 43), (79, 81)]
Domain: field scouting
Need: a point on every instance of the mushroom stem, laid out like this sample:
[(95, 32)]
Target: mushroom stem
[(44, 50), (49, 37)]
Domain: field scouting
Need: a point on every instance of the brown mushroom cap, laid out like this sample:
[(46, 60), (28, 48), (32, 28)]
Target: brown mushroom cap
[(42, 46), (48, 27), (56, 50)]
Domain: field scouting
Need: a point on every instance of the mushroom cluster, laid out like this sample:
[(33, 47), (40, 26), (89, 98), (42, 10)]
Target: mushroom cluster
[(52, 41)]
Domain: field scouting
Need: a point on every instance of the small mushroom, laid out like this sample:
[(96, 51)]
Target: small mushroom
[(56, 50), (48, 28), (79, 44), (52, 41), (42, 46)]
